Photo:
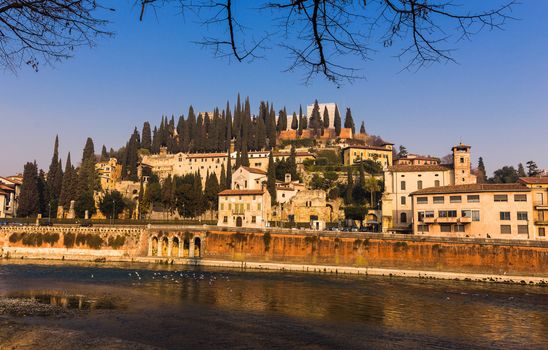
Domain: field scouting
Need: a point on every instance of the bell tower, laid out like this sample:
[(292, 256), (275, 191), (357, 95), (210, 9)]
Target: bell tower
[(462, 165)]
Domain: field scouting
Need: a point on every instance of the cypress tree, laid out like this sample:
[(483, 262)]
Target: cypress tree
[(482, 173), (29, 197), (55, 177), (271, 178), (244, 157), (301, 120), (326, 120), (191, 123), (228, 183), (261, 134), (132, 157), (88, 181), (211, 191), (198, 196), (349, 186), (155, 141), (68, 188), (362, 128), (337, 121), (292, 163), (44, 202), (271, 127), (238, 160), (228, 126), (349, 121), (222, 179), (200, 135), (294, 122), (315, 119), (521, 170), (146, 141), (104, 154)]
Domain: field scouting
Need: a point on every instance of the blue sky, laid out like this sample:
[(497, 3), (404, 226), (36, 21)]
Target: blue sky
[(494, 99)]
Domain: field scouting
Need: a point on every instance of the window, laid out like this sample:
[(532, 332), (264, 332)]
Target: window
[(422, 228), (505, 215), (459, 228), (466, 213), (475, 215), (222, 206), (523, 229), (253, 219), (402, 185), (541, 232), (447, 213), (229, 206), (473, 198), (505, 229), (455, 199), (225, 219), (403, 200), (420, 216), (541, 215), (522, 215), (422, 200), (419, 184), (520, 198), (445, 228), (248, 206), (437, 183), (403, 218), (429, 214), (438, 200), (501, 198), (462, 160), (258, 206)]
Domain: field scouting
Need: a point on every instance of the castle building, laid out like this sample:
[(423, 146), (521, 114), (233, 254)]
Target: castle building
[(402, 179), (247, 202), (354, 154), (539, 194), (501, 211)]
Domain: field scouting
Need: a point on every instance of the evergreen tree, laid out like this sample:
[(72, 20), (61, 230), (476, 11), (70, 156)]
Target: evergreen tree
[(69, 187), (44, 202), (191, 123), (302, 121), (294, 122), (228, 126), (228, 183), (211, 191), (349, 186), (349, 121), (112, 205), (402, 152), (132, 157), (337, 121), (146, 141), (271, 178), (362, 128), (506, 174), (315, 119), (521, 170), (238, 160), (200, 135), (222, 180), (198, 196), (88, 181), (326, 120), (292, 163), (54, 178), (532, 169), (482, 173), (104, 154), (155, 141), (244, 157), (29, 197), (261, 134)]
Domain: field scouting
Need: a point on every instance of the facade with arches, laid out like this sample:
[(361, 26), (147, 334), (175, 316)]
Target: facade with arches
[(176, 244)]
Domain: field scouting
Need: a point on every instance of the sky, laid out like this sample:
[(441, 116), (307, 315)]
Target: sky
[(495, 98)]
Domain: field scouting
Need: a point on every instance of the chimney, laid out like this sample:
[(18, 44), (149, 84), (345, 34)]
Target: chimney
[(287, 177)]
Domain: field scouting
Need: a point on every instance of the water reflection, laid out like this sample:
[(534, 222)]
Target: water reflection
[(70, 302)]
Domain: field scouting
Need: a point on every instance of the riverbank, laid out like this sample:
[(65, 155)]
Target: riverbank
[(301, 268)]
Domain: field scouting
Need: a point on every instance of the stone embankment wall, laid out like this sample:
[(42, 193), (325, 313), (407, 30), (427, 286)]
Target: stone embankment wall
[(161, 243)]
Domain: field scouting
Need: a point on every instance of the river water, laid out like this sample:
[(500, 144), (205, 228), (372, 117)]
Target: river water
[(177, 307)]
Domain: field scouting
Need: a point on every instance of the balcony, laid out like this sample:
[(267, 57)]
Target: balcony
[(540, 204), (461, 220), (238, 212)]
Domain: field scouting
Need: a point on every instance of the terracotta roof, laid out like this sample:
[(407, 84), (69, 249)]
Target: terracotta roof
[(206, 155), (298, 154), (5, 187), (471, 188), (241, 192), (417, 156), (377, 148), (534, 180), (254, 170), (402, 168), (2, 193)]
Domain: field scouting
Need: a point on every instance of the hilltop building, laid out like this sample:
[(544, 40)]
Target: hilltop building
[(414, 159), (403, 179), (109, 173), (247, 202), (539, 193), (355, 154), (501, 211)]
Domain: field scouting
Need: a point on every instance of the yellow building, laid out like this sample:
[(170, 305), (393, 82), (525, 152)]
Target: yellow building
[(247, 203), (474, 210), (355, 154), (539, 193), (109, 172)]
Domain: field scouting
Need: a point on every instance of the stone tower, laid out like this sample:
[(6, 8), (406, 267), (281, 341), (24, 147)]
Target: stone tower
[(461, 165)]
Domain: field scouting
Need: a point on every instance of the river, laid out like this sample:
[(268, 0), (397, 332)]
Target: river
[(139, 306)]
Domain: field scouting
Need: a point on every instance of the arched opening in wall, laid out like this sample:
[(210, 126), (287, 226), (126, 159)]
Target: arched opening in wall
[(175, 247), (186, 247), (165, 243), (154, 243), (197, 247), (239, 221)]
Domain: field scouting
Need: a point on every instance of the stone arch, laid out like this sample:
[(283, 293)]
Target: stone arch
[(186, 247), (175, 246), (197, 247), (165, 246), (153, 246)]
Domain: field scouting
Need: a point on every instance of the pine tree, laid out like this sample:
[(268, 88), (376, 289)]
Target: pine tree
[(362, 128), (294, 122), (104, 154), (482, 173), (521, 170), (337, 121), (271, 178), (146, 141), (326, 120), (55, 177), (532, 169), (349, 121), (29, 198)]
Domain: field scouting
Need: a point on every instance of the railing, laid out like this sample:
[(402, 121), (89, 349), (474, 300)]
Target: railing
[(451, 220), (540, 204), (238, 212)]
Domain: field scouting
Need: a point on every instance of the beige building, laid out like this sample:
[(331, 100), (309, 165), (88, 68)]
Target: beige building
[(356, 153), (109, 173), (247, 203), (414, 159), (10, 188), (474, 210), (539, 193), (403, 179)]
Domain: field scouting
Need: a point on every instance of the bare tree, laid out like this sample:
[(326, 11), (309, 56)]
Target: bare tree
[(34, 31), (321, 36)]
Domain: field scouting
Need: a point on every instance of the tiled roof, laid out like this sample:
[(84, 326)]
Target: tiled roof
[(206, 155), (5, 187), (470, 188), (534, 180), (377, 148), (298, 154), (241, 192), (254, 170), (402, 168), (2, 193)]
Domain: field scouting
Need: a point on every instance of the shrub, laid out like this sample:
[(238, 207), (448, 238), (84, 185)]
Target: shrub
[(116, 242), (14, 237), (267, 238), (51, 238), (68, 239)]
